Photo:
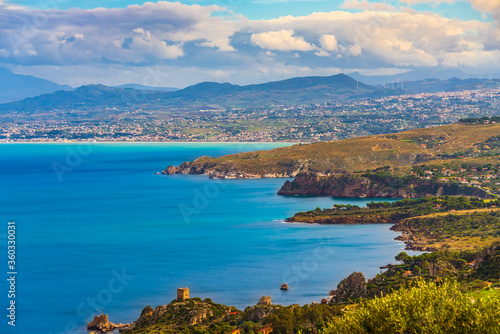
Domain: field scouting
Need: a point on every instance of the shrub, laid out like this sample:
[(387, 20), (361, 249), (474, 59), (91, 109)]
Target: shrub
[(424, 308)]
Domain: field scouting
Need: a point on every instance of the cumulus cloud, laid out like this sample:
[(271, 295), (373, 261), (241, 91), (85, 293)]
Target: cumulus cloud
[(179, 36), (148, 33), (329, 42), (282, 40), (486, 6), (366, 5), (417, 2)]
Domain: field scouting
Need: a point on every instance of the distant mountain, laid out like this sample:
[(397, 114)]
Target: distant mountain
[(84, 96), (307, 90), (143, 87), (15, 87), (415, 75), (453, 84), (211, 95)]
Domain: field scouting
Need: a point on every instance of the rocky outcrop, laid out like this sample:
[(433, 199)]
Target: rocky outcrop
[(189, 312), (441, 268), (186, 168), (485, 254), (352, 287), (101, 324), (206, 166), (259, 312), (170, 170), (345, 185), (411, 240), (284, 286)]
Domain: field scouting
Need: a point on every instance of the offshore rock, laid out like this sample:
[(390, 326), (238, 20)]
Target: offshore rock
[(170, 170), (352, 287), (101, 324)]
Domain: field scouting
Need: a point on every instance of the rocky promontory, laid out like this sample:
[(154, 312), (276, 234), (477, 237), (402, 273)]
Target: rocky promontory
[(101, 324), (346, 185), (217, 172)]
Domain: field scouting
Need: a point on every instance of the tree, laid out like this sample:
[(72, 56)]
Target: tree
[(417, 271), (401, 256)]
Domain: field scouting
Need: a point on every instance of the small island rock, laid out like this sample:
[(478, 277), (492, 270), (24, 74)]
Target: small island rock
[(284, 286), (101, 324), (170, 170)]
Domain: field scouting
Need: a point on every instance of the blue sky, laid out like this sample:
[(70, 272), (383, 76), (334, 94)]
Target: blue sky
[(268, 9), (244, 41)]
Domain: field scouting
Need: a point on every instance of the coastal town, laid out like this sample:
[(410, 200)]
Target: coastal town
[(301, 123)]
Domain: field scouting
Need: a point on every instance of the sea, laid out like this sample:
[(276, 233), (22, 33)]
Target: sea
[(98, 231)]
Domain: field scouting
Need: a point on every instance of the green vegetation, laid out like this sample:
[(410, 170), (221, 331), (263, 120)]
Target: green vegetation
[(480, 120), (195, 316), (434, 223), (477, 229), (455, 289), (407, 148), (424, 308), (387, 213)]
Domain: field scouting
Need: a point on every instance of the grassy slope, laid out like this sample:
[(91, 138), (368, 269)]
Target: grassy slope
[(357, 154), (437, 223)]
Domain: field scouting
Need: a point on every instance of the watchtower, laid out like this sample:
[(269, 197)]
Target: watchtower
[(182, 294)]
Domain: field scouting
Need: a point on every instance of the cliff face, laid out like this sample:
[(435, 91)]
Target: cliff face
[(346, 185)]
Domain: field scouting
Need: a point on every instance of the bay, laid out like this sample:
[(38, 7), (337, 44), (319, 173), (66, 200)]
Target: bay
[(98, 231)]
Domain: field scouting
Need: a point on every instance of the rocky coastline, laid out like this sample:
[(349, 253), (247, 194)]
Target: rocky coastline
[(188, 168), (346, 185)]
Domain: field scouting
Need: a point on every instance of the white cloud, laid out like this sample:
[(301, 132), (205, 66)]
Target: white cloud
[(416, 2), (329, 42), (282, 40), (177, 36), (486, 6), (148, 33), (366, 5)]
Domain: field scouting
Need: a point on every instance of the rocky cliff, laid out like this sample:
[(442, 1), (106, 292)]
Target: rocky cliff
[(350, 186), (223, 173), (351, 287)]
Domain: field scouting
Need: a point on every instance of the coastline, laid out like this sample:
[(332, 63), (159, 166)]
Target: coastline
[(154, 142)]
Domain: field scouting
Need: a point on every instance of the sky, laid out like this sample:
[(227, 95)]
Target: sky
[(176, 44)]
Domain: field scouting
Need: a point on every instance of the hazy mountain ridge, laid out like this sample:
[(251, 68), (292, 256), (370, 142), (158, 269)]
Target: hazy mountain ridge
[(15, 87), (212, 95), (293, 91)]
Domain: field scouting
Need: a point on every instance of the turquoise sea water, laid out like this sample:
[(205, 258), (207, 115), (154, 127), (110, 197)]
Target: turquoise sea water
[(98, 231)]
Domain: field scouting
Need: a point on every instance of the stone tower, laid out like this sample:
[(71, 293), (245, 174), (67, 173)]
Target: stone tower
[(182, 294), (265, 300)]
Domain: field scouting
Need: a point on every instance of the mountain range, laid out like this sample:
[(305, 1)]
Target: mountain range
[(206, 95), (212, 95)]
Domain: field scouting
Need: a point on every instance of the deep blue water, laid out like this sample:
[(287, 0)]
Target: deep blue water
[(98, 231)]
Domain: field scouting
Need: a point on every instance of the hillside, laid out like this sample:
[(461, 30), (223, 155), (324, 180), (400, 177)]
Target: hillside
[(295, 91), (144, 87), (352, 155), (15, 87)]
